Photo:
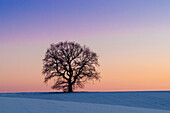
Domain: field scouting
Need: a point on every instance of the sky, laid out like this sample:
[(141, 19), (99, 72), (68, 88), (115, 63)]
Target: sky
[(131, 38)]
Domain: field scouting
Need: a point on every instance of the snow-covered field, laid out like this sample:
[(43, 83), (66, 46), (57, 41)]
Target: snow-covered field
[(86, 102)]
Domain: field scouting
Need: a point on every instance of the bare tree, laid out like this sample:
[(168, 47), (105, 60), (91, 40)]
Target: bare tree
[(70, 64)]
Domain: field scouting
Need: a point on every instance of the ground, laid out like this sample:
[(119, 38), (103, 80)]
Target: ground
[(86, 102)]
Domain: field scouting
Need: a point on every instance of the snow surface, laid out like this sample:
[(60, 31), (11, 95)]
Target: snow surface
[(153, 100), (23, 105)]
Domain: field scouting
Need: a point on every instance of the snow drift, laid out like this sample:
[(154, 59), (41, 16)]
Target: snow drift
[(23, 105), (148, 99)]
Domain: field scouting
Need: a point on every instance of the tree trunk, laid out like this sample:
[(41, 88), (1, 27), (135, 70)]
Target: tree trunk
[(70, 88)]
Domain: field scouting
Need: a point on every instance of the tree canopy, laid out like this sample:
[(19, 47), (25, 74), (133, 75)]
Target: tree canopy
[(70, 64)]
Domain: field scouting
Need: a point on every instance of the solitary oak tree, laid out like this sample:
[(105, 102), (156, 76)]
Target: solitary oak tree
[(70, 64)]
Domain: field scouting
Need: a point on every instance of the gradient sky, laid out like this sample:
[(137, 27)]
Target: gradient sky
[(131, 37)]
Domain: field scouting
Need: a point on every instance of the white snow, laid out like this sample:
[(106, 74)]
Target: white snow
[(23, 105), (151, 100)]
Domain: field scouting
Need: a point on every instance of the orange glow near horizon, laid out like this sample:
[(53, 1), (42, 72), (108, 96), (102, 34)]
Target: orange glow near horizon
[(119, 73)]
